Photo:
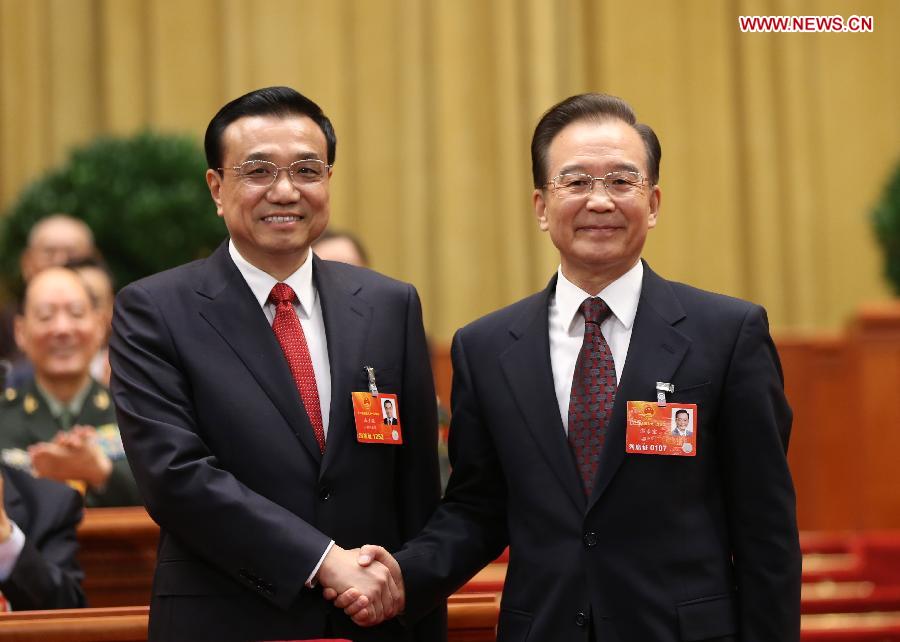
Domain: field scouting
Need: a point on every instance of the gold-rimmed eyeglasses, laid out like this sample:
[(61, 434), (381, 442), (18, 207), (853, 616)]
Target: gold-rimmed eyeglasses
[(262, 173), (621, 184)]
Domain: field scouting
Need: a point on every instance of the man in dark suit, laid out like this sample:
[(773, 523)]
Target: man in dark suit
[(38, 544), (234, 399), (601, 548)]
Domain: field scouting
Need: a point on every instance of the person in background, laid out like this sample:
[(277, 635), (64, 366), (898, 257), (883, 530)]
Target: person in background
[(56, 240), (99, 280), (336, 245), (52, 241), (60, 423), (38, 545)]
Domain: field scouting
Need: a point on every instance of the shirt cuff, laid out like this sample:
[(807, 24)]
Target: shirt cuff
[(312, 580), (10, 551)]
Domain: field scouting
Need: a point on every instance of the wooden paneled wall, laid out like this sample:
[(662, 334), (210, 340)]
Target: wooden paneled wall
[(845, 444)]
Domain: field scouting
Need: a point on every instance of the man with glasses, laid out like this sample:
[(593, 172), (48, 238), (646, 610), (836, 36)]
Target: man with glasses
[(233, 378), (609, 542)]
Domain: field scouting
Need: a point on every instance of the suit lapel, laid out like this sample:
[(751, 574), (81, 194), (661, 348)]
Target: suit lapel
[(654, 354), (526, 365), (232, 310), (347, 321)]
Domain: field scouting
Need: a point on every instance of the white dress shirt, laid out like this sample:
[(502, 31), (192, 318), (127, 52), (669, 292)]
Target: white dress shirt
[(567, 328), (309, 311), (10, 549)]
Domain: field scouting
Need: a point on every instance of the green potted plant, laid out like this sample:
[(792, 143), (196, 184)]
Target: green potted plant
[(886, 220), (143, 196)]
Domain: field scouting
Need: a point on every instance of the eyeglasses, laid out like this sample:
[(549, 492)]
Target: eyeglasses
[(262, 173), (618, 185)]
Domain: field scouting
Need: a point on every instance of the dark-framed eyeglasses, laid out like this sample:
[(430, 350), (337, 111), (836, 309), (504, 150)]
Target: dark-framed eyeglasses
[(620, 184), (263, 173)]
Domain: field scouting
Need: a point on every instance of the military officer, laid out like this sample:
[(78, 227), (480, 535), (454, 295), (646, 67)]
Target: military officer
[(60, 423)]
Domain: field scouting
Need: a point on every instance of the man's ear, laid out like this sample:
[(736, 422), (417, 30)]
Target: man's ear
[(540, 209), (655, 202), (214, 182), (19, 332)]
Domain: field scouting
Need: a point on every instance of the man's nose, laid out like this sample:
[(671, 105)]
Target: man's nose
[(598, 198), (63, 323), (283, 188)]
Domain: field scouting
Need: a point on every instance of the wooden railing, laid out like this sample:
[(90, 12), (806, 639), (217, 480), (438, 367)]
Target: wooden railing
[(851, 583), (122, 624), (117, 550), (472, 618)]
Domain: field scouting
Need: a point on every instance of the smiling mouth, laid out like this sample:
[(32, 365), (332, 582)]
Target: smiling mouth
[(282, 219), (598, 228), (63, 353)]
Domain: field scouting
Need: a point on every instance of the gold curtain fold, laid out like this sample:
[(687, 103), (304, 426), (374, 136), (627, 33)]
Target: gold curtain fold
[(775, 146)]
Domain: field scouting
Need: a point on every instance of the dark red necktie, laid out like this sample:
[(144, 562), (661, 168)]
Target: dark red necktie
[(593, 393), (293, 342)]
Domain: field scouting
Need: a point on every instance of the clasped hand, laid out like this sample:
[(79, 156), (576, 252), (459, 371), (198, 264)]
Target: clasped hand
[(366, 583)]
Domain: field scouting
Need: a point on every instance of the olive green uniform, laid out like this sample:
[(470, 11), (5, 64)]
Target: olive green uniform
[(26, 419)]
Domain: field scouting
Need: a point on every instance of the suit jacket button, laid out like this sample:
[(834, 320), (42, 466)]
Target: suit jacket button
[(590, 539), (580, 618), (324, 493)]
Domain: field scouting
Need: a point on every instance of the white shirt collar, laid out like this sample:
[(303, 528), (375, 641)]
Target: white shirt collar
[(622, 296), (261, 283)]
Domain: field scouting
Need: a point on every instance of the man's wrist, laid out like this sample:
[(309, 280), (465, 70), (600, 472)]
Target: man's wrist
[(313, 579)]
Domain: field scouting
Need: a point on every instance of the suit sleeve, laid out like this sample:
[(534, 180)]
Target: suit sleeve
[(756, 424), (46, 574), (185, 489), (469, 528)]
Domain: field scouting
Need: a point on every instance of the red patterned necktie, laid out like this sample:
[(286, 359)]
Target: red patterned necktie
[(293, 342), (593, 393)]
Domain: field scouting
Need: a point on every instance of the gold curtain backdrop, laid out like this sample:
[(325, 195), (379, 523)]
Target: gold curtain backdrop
[(775, 146)]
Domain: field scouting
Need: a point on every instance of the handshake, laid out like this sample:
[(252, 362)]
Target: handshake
[(365, 582)]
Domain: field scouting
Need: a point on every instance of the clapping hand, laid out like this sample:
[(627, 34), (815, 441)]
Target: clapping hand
[(72, 455)]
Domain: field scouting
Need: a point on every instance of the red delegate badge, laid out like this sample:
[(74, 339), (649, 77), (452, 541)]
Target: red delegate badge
[(661, 430), (377, 418)]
